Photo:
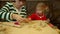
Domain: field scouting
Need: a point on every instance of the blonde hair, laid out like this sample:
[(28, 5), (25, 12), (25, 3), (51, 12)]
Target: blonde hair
[(41, 6)]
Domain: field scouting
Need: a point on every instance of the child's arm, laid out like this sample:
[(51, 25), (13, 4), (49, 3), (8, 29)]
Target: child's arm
[(4, 12), (17, 17), (31, 17), (5, 15), (7, 7), (28, 19), (23, 12)]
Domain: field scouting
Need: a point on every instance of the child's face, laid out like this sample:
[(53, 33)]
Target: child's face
[(19, 3), (39, 11), (40, 8)]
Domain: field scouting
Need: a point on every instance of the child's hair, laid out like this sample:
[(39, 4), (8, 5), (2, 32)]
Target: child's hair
[(19, 0), (23, 0), (41, 5)]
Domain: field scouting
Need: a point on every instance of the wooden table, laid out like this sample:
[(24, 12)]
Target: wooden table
[(35, 27)]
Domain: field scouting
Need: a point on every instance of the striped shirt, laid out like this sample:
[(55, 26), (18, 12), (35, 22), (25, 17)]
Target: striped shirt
[(8, 9)]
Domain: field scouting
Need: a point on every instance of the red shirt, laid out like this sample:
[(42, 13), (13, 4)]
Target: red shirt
[(34, 16)]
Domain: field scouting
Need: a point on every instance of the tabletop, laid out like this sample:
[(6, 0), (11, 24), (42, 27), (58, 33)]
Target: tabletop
[(34, 27)]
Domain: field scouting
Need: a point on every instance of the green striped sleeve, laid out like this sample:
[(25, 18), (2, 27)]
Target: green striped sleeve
[(7, 7), (1, 15), (23, 12), (23, 9), (8, 16), (4, 9), (5, 16), (9, 3)]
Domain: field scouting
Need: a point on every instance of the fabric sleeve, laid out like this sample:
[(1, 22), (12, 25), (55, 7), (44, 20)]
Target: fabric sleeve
[(6, 16)]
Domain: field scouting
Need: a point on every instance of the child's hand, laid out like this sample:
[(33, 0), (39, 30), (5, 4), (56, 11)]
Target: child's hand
[(17, 17), (0, 22), (27, 20), (48, 20)]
